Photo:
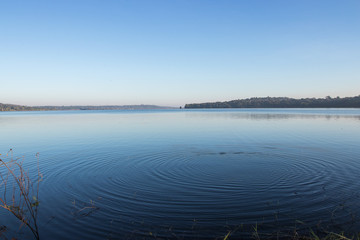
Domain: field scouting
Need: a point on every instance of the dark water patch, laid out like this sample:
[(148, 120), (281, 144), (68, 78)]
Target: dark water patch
[(224, 153)]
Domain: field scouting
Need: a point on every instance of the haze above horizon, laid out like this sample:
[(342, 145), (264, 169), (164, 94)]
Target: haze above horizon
[(171, 53)]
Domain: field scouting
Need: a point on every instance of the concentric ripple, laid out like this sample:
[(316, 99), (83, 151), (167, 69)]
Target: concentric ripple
[(168, 189), (197, 175)]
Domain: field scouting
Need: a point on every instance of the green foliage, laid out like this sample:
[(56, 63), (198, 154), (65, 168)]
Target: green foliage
[(283, 102), (12, 107)]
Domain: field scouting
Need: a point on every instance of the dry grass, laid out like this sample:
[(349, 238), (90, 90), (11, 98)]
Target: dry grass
[(20, 194)]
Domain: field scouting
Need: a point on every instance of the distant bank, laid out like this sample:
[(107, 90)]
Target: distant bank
[(12, 107), (283, 102)]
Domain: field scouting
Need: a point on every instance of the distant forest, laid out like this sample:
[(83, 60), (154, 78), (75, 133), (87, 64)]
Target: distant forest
[(283, 102), (12, 107)]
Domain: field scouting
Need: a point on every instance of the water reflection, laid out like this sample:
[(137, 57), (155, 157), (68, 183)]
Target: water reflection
[(280, 114), (191, 174)]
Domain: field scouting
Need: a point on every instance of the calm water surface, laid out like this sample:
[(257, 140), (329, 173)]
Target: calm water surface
[(189, 174)]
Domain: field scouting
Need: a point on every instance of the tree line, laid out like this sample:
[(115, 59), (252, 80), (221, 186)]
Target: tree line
[(283, 102), (12, 107)]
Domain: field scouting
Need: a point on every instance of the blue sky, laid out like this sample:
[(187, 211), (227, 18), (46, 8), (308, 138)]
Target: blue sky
[(93, 52)]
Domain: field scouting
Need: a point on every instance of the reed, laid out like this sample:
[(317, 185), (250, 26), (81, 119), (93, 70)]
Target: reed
[(293, 235)]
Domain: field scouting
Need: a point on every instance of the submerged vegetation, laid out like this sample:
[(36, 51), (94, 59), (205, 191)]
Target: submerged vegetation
[(283, 102)]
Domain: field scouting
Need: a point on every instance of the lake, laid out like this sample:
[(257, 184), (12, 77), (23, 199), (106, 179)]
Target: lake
[(188, 174)]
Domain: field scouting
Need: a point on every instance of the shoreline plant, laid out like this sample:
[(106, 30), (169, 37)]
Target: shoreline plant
[(20, 195)]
